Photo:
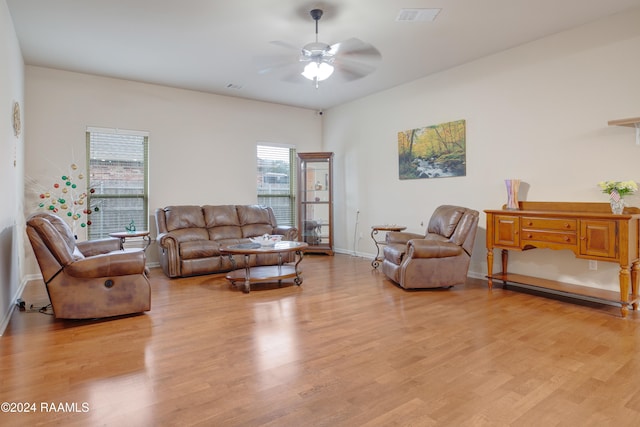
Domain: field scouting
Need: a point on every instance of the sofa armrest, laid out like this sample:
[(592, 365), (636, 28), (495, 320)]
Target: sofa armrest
[(168, 254), (105, 265), (163, 240), (423, 248), (101, 246), (288, 232), (395, 237)]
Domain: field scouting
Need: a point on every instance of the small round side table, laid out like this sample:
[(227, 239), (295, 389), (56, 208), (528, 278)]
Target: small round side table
[(375, 229), (124, 235)]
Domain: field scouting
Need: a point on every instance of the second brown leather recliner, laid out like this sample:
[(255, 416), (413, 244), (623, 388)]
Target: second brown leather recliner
[(440, 258)]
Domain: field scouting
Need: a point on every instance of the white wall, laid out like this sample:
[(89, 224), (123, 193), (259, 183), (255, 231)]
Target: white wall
[(11, 167), (202, 147), (537, 112)]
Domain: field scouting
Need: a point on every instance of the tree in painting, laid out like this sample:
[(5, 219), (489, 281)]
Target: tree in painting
[(433, 151)]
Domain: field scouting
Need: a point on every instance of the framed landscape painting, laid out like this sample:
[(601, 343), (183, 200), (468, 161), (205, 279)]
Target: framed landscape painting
[(436, 151)]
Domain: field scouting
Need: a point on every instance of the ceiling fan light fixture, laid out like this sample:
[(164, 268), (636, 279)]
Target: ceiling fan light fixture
[(317, 71), (321, 60)]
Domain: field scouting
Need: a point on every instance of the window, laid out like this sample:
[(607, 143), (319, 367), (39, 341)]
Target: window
[(118, 180), (276, 181)]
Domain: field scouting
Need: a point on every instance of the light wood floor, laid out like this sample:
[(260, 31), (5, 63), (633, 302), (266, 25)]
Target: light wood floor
[(347, 348)]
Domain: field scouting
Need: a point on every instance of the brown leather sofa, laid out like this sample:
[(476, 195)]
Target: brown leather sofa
[(190, 237), (90, 279), (440, 258)]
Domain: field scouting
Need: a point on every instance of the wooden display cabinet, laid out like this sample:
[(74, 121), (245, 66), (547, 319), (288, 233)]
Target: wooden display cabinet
[(315, 201)]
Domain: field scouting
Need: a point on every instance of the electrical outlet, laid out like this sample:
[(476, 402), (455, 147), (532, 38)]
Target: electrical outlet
[(593, 265)]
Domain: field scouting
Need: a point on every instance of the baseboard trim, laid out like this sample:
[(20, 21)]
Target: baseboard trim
[(12, 306)]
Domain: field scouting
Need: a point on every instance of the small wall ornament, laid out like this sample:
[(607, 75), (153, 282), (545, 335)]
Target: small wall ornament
[(17, 124)]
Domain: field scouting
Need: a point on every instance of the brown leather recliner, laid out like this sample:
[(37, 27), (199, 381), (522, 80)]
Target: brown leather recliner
[(438, 259), (91, 279)]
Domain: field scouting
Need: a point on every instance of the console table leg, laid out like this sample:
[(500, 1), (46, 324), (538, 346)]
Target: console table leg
[(505, 260), (635, 277), (490, 267), (624, 289)]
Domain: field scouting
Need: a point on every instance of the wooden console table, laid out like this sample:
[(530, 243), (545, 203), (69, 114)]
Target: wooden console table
[(589, 230)]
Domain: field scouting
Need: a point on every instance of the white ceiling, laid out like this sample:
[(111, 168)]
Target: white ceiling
[(206, 45)]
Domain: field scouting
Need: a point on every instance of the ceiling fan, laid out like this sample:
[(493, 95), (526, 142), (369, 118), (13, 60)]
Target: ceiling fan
[(351, 59)]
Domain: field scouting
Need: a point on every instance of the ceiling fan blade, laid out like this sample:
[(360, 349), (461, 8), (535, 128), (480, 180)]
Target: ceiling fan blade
[(355, 47), (352, 70), (268, 63), (295, 77), (285, 45)]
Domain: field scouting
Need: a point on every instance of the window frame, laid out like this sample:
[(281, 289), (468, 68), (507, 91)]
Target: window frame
[(94, 197), (292, 187)]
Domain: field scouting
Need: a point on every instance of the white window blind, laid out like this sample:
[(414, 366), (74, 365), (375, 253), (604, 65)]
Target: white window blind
[(118, 180), (277, 181)]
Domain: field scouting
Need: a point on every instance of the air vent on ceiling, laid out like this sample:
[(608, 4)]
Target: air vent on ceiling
[(417, 15), (234, 86)]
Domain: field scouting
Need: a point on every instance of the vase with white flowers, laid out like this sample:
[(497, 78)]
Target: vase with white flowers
[(616, 191)]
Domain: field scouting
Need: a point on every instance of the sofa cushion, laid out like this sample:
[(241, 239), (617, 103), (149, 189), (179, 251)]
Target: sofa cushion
[(222, 222), (215, 216), (254, 230), (255, 214), (436, 237), (77, 254), (199, 249), (256, 220), (394, 253), (225, 232), (61, 226), (444, 220), (184, 217), (229, 242), (51, 237), (190, 235), (462, 231)]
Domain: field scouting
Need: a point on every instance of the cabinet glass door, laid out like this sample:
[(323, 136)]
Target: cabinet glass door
[(315, 201)]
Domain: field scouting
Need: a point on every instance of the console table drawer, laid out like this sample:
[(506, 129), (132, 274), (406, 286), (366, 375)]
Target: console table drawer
[(549, 237), (549, 223)]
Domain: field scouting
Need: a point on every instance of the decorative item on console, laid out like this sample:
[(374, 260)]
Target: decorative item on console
[(267, 239), (513, 186), (616, 191), (131, 228)]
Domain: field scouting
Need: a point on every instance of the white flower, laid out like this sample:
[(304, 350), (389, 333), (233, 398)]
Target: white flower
[(622, 187)]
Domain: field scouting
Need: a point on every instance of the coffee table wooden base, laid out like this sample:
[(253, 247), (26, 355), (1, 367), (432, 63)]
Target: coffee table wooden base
[(265, 273), (274, 274)]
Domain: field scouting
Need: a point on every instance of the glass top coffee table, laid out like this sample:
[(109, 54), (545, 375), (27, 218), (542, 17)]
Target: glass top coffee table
[(265, 273)]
